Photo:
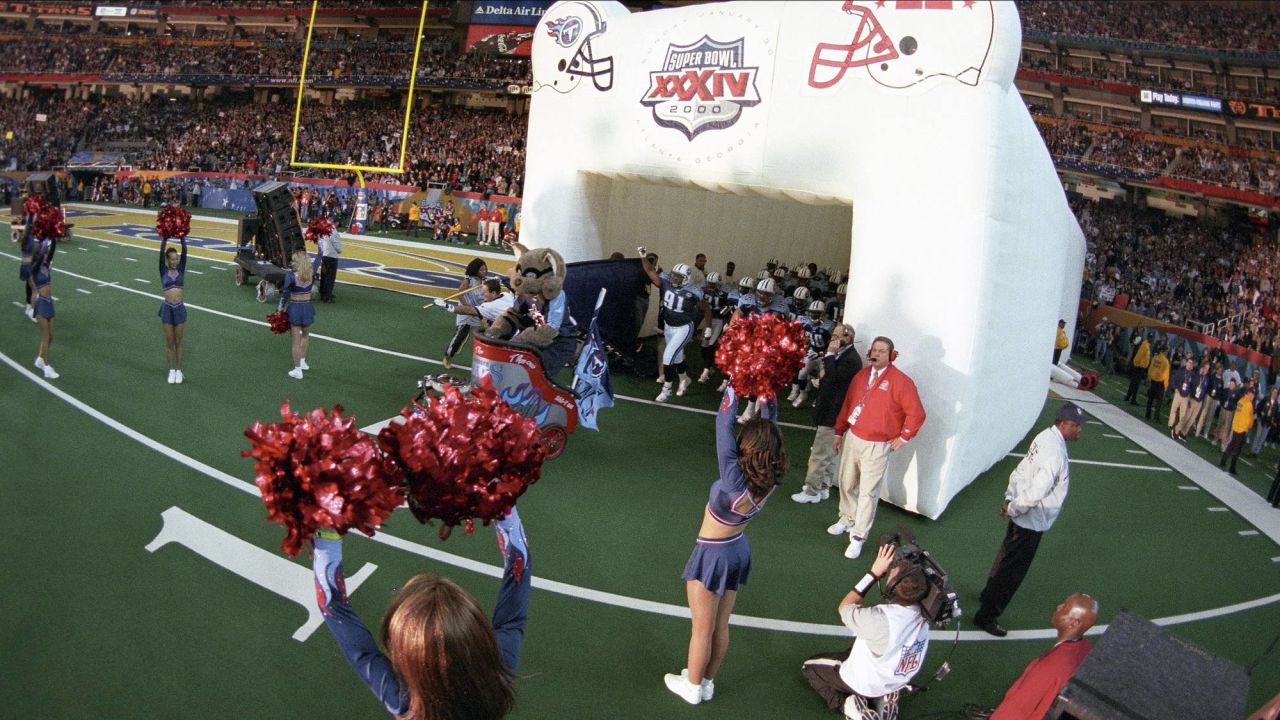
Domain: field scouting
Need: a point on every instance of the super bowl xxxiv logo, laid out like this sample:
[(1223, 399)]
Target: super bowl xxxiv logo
[(701, 87)]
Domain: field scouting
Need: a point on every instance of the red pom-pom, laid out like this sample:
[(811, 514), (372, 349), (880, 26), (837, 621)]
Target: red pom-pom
[(173, 222), (279, 322), (761, 353), (319, 227), (464, 457), (320, 470), (49, 224), (33, 205)]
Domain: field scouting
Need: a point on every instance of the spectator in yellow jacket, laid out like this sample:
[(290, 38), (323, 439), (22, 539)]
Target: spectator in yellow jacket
[(1158, 374), (1138, 363), (1240, 424), (1061, 342)]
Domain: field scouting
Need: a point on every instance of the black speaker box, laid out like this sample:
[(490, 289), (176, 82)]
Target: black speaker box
[(273, 195), (1139, 671), (45, 185)]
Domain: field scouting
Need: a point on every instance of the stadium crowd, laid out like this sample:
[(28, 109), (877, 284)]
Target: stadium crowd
[(1227, 26)]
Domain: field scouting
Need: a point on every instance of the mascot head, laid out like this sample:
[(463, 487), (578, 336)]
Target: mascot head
[(538, 271)]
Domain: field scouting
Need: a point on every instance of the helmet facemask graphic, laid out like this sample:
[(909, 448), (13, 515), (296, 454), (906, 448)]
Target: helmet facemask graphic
[(868, 36)]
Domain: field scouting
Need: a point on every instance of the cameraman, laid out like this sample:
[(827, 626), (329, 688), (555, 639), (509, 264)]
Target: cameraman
[(890, 642)]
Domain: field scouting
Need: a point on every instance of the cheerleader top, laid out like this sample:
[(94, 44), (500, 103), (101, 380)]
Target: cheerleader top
[(730, 501), (170, 279)]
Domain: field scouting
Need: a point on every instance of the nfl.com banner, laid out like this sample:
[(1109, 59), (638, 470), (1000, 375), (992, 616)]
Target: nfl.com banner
[(507, 12), (508, 40)]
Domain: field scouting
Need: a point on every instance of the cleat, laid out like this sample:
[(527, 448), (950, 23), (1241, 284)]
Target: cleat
[(685, 382), (800, 398), (723, 384), (665, 395), (795, 390), (447, 362), (705, 376)]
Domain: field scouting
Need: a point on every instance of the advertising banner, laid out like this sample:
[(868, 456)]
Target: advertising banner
[(508, 40), (507, 12)]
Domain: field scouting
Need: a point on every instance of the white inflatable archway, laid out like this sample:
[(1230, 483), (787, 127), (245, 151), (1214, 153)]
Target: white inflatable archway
[(960, 242)]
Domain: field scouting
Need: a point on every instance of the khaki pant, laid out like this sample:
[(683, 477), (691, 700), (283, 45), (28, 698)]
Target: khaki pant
[(1208, 411), (1179, 410), (862, 466), (823, 462), (1195, 408)]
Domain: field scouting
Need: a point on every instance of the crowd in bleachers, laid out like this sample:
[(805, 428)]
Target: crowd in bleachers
[(1253, 27), (440, 61), (1179, 270)]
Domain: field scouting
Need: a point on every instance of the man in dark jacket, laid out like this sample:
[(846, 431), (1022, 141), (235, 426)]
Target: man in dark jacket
[(839, 366)]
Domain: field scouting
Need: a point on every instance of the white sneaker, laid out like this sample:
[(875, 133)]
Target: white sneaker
[(683, 689), (296, 373), (39, 363), (800, 398), (665, 395), (49, 373), (30, 312), (723, 384), (806, 497), (747, 414), (304, 364), (705, 376), (855, 548), (838, 528), (172, 375), (795, 390), (685, 382), (177, 377), (707, 686)]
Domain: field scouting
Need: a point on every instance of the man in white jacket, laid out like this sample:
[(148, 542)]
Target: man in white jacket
[(1037, 489)]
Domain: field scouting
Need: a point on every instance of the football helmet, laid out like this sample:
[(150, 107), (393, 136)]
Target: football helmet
[(842, 289), (765, 290), (780, 273), (746, 285), (679, 274), (763, 275), (713, 278), (571, 56), (803, 273), (816, 309), (801, 294), (904, 43)]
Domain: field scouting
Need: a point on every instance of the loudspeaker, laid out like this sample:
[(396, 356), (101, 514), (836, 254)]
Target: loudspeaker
[(1139, 671), (279, 234), (45, 185)]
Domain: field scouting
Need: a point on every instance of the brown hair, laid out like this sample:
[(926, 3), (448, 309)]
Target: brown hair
[(910, 586), (445, 653), (762, 456)]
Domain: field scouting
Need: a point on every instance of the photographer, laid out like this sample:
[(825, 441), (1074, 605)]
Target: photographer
[(890, 642)]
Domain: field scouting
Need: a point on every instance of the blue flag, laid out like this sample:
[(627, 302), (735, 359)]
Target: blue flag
[(591, 376)]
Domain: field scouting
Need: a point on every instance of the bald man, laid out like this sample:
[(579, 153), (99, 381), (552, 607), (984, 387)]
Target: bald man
[(1038, 686)]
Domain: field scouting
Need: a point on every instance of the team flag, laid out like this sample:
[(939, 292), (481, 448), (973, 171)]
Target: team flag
[(591, 376)]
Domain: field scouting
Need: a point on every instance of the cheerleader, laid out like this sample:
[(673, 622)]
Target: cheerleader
[(41, 259), (752, 465), (297, 292), (444, 658), (24, 270), (472, 277), (173, 311)]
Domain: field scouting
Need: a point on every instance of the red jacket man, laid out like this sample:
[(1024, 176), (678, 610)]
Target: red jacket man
[(881, 412), (1038, 686)]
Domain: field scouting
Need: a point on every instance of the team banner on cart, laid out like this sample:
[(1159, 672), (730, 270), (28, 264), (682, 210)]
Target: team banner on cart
[(508, 40), (508, 12)]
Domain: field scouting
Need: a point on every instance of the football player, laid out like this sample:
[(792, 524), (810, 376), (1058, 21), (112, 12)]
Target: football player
[(679, 313)]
